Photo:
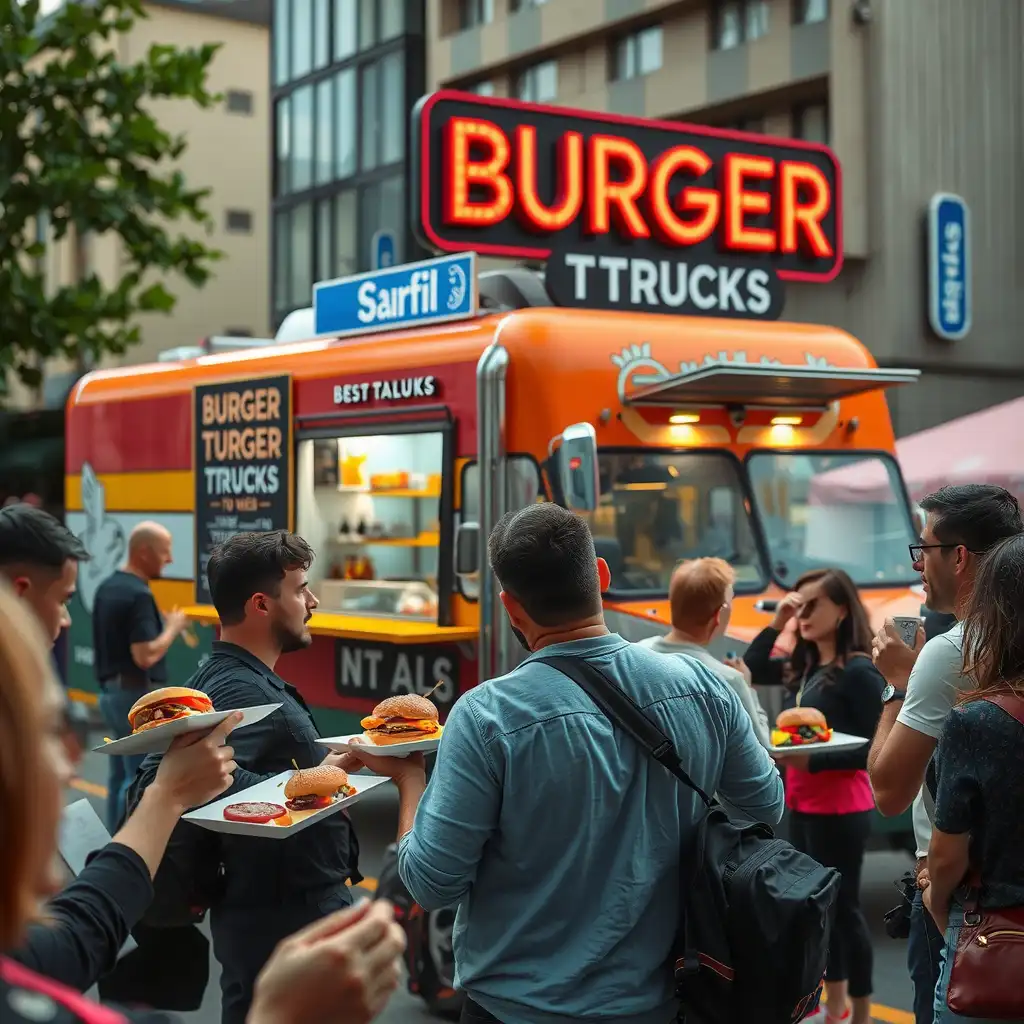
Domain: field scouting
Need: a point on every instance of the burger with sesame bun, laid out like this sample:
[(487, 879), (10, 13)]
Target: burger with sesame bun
[(311, 789), (167, 704), (796, 727), (401, 719)]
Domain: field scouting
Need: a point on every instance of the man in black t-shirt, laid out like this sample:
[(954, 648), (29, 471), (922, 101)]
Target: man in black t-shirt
[(131, 642)]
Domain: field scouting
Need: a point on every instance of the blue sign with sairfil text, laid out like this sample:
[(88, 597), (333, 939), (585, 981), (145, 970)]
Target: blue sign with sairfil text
[(949, 266), (410, 295)]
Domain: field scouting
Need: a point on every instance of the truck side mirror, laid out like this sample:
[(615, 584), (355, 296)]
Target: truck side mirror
[(577, 467), (467, 550)]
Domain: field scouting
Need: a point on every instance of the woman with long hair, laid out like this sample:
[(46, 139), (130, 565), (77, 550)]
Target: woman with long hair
[(977, 780), (340, 970), (828, 794)]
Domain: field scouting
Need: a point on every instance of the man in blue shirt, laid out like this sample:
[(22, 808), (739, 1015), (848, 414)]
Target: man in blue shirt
[(553, 832)]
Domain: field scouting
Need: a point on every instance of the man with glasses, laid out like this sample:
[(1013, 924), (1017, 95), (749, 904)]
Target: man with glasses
[(963, 523)]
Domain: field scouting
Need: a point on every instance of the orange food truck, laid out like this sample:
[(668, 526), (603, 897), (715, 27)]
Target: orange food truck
[(641, 378)]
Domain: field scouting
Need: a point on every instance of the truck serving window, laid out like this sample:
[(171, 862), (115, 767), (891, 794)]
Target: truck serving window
[(844, 511), (370, 508), (659, 508)]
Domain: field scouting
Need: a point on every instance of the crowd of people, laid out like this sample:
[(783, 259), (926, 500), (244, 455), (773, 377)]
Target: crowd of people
[(554, 835)]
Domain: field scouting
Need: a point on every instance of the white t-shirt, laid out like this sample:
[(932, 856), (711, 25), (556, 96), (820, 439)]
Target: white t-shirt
[(934, 685), (746, 693)]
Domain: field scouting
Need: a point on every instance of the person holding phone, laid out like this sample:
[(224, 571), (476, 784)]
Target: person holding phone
[(828, 793)]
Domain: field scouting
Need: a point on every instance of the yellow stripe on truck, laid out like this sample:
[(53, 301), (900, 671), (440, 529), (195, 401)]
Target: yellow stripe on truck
[(169, 491)]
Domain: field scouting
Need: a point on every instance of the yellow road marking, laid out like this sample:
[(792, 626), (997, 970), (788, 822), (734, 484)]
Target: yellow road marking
[(891, 1015), (84, 786)]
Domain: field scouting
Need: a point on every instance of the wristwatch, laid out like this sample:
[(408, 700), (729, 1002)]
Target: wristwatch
[(890, 693)]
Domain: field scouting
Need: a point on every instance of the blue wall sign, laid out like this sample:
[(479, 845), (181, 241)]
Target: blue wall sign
[(410, 295), (383, 250), (949, 266)]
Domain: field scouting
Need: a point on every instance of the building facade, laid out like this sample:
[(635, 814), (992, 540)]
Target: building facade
[(916, 97), (227, 153), (345, 75)]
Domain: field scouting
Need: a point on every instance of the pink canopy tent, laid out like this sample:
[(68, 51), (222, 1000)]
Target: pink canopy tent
[(986, 447)]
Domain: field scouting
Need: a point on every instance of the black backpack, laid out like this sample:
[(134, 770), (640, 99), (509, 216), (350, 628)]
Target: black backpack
[(755, 913)]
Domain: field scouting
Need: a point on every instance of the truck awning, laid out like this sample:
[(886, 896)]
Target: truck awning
[(755, 384)]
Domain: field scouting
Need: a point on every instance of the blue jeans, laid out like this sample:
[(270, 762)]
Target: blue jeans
[(115, 705), (943, 1014), (924, 949)]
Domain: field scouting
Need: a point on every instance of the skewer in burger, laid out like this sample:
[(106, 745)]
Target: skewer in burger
[(797, 727), (401, 719), (167, 704), (312, 789)]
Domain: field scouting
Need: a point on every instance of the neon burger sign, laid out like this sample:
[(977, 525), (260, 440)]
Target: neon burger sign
[(645, 206)]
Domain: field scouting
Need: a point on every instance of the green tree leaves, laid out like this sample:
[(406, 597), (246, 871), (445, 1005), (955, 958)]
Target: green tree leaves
[(82, 152)]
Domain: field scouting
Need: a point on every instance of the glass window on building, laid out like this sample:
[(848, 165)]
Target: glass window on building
[(302, 38), (303, 128), (301, 256), (346, 232), (392, 19), (325, 132), (809, 12), (756, 20), (321, 33), (368, 23), (727, 25), (636, 54), (811, 123), (538, 83), (369, 116), (324, 236), (481, 88), (382, 208), (345, 124), (393, 108), (283, 147), (475, 12), (282, 40), (522, 5), (282, 247), (734, 22), (346, 35)]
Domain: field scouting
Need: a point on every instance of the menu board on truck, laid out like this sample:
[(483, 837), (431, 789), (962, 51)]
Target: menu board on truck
[(242, 436)]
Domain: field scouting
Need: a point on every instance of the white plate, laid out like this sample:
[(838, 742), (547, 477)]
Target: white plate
[(158, 739), (839, 741), (347, 744), (272, 792)]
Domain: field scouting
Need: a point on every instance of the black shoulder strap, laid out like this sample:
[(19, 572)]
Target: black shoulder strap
[(624, 712)]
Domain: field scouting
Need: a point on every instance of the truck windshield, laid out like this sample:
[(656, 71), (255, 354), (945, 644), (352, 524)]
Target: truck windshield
[(658, 508), (844, 511)]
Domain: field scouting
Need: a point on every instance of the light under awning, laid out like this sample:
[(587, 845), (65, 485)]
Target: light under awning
[(777, 387)]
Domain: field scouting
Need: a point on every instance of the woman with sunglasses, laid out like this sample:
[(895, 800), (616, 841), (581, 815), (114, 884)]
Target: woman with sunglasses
[(340, 970), (828, 794)]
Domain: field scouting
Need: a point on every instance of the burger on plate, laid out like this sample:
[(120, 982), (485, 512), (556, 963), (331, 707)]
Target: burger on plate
[(167, 704), (401, 719), (312, 789), (797, 727)]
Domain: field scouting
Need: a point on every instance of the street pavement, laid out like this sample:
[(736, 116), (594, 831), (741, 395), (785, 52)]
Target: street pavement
[(375, 819)]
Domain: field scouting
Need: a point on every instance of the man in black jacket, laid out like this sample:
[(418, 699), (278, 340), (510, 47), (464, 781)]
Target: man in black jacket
[(90, 920), (270, 889)]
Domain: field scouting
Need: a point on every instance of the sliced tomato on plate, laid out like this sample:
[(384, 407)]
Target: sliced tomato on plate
[(254, 813)]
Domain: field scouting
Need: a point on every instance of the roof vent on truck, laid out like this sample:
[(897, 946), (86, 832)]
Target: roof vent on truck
[(512, 288)]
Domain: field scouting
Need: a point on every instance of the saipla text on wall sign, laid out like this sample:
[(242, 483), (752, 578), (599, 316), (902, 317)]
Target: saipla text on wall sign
[(408, 295), (949, 266), (627, 213)]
